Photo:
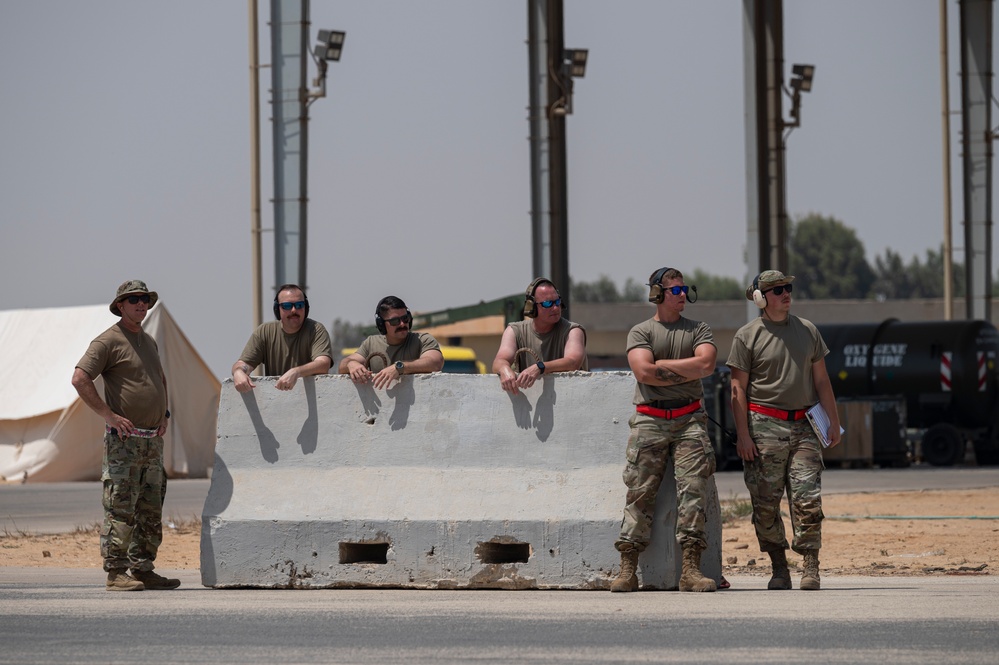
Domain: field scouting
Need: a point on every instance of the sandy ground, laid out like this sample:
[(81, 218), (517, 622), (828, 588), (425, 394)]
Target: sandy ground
[(855, 541)]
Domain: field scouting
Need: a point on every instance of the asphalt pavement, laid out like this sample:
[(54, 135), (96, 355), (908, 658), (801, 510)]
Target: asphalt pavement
[(62, 615)]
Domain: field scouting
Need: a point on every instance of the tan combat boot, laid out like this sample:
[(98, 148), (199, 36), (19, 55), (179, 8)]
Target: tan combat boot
[(781, 579), (627, 580), (810, 578), (155, 582), (691, 578), (120, 580)]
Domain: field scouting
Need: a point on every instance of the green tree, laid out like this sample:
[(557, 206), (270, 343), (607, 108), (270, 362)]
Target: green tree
[(828, 259), (715, 287), (709, 287), (896, 280), (344, 335), (634, 291), (602, 290)]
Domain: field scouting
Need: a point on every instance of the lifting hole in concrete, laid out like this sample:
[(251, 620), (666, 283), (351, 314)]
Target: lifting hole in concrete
[(503, 552), (364, 552)]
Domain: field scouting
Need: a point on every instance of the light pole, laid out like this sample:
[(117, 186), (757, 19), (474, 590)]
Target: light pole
[(255, 231), (801, 81)]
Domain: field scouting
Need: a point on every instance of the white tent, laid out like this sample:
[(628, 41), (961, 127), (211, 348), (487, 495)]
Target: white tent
[(47, 433)]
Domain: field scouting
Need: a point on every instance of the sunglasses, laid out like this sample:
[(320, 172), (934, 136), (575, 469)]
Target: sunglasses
[(779, 290), (288, 306), (396, 320), (677, 290), (135, 300), (547, 304)]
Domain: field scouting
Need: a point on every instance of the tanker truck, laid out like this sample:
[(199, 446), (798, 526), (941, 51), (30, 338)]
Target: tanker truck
[(944, 370)]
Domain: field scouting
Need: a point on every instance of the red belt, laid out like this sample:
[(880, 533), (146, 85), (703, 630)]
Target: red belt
[(777, 413), (669, 414)]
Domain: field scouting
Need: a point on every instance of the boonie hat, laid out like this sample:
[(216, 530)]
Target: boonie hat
[(129, 288), (767, 280)]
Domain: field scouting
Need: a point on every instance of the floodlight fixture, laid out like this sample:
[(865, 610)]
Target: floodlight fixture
[(573, 66), (801, 81), (801, 77), (576, 57), (330, 45), (328, 50)]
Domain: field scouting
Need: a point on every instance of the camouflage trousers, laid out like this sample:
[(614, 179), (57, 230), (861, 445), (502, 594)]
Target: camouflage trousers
[(653, 441), (134, 487), (789, 460)]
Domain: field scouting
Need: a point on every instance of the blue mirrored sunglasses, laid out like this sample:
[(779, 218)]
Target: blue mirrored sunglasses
[(551, 303), (779, 290), (135, 300), (287, 306), (677, 290)]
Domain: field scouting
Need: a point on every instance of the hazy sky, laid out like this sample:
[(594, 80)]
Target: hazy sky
[(125, 142)]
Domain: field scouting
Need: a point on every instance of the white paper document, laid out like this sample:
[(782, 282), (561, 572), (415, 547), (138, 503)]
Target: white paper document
[(819, 419)]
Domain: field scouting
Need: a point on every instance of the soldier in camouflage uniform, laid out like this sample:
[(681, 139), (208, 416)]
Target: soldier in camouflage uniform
[(669, 355), (778, 372), (134, 409)]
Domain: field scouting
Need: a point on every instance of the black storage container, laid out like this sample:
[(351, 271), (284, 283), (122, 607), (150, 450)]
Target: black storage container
[(945, 369)]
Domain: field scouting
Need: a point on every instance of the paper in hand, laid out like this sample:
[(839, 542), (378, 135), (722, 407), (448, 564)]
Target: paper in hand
[(819, 420)]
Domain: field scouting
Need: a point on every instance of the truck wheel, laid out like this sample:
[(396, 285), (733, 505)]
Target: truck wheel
[(943, 445)]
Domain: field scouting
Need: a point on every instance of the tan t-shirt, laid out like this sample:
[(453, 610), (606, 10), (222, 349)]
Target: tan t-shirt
[(669, 340), (133, 375), (778, 358), (415, 345), (278, 351), (549, 346)]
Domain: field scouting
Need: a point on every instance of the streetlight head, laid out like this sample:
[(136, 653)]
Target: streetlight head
[(803, 75), (577, 61), (330, 45), (804, 71)]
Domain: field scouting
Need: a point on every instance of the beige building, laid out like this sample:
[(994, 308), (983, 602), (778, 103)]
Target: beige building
[(607, 324)]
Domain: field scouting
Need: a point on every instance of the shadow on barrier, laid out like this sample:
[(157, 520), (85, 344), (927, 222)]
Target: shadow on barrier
[(308, 437), (216, 504), (544, 410), (405, 396), (521, 410), (265, 437)]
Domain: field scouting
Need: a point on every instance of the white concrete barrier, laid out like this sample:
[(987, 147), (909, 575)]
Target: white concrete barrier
[(443, 481)]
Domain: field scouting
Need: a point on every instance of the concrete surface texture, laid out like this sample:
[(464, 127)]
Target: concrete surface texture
[(442, 481), (65, 616)]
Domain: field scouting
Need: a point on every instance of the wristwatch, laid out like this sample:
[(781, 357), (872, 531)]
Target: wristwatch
[(399, 367), (541, 366)]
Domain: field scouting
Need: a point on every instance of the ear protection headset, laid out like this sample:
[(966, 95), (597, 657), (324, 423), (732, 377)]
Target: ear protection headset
[(530, 304), (656, 291), (285, 287), (759, 297)]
